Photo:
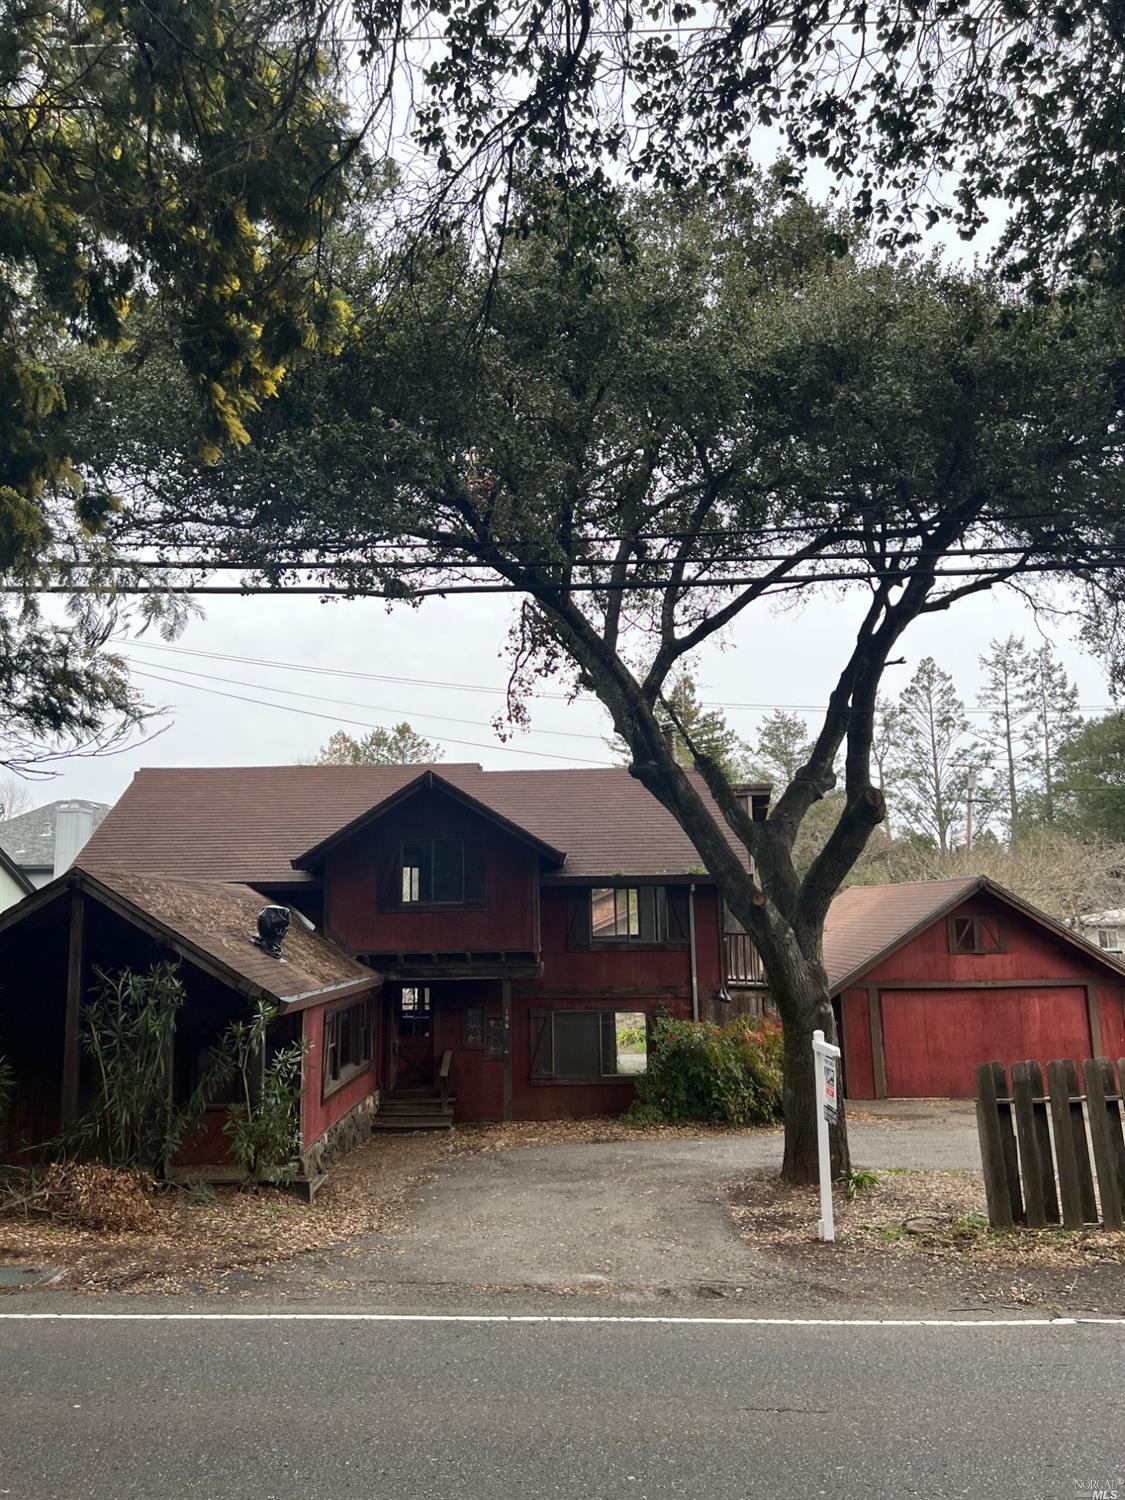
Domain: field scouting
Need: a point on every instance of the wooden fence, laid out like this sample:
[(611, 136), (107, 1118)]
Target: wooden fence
[(1041, 1150)]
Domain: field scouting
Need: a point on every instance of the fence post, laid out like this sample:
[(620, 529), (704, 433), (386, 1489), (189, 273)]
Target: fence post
[(1034, 1136), (1105, 1134), (1076, 1186), (998, 1147)]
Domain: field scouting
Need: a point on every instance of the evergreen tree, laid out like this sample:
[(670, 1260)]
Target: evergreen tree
[(1053, 720), (1007, 694), (1089, 785), (934, 756), (783, 747)]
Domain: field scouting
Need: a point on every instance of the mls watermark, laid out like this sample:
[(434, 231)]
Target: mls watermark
[(1099, 1489)]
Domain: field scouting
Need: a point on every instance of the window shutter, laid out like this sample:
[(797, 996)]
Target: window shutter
[(677, 901), (542, 1045), (609, 1042), (578, 919), (388, 861), (475, 855)]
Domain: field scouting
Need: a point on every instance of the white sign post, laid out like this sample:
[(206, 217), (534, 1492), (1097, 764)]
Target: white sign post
[(825, 1056)]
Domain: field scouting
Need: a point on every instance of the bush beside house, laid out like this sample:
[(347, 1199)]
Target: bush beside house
[(722, 1074)]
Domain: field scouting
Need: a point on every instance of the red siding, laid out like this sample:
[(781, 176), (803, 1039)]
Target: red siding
[(933, 1038), (508, 919), (859, 1071), (317, 1113)]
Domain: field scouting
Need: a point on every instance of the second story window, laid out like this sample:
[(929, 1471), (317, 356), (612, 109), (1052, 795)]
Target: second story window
[(433, 872), (615, 912), (440, 872), (621, 916)]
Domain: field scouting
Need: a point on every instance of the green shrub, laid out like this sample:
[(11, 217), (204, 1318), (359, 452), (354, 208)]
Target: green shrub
[(265, 1126), (723, 1074)]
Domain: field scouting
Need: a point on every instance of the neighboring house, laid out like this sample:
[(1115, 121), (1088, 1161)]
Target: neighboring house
[(1105, 928), (932, 977), (14, 884), (46, 841), (504, 938)]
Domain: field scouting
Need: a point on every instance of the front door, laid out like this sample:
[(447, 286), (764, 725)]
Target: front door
[(414, 1043)]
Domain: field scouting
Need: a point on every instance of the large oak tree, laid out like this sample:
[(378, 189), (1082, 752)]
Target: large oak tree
[(647, 444)]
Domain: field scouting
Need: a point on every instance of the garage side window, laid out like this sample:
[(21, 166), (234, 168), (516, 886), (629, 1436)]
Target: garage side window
[(977, 935), (586, 1046)]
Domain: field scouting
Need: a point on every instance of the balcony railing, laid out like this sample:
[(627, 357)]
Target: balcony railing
[(744, 965)]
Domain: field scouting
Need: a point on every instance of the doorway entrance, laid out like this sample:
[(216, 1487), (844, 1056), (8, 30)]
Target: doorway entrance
[(414, 1038)]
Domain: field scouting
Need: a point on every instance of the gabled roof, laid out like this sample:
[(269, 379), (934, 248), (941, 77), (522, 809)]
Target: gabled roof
[(29, 838), (428, 780), (210, 924), (248, 823), (867, 923)]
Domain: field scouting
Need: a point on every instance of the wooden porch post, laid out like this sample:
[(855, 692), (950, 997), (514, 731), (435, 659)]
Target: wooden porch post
[(75, 971), (506, 1012)]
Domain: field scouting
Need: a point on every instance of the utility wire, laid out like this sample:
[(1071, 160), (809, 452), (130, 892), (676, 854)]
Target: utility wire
[(313, 713), (469, 687)]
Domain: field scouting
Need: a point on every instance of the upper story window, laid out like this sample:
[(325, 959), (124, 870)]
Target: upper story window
[(977, 935), (440, 872), (619, 916), (1109, 939)]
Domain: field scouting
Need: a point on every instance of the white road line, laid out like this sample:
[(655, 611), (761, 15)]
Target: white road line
[(518, 1318)]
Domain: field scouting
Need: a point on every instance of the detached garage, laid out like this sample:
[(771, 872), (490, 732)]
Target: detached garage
[(930, 978)]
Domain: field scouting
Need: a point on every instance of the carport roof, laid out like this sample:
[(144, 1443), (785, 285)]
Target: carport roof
[(867, 923), (210, 924)]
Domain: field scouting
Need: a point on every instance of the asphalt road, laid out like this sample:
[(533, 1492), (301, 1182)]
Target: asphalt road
[(271, 1408)]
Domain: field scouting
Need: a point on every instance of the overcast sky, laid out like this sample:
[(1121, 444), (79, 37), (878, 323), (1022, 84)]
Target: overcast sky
[(448, 648)]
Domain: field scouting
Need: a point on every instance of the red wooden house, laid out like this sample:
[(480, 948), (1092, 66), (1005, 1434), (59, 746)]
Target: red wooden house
[(932, 977), (476, 945)]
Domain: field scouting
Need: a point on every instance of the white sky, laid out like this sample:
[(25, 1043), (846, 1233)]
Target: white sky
[(771, 658)]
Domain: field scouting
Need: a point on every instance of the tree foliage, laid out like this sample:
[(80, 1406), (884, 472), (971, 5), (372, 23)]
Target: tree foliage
[(646, 445), (1090, 786), (400, 746)]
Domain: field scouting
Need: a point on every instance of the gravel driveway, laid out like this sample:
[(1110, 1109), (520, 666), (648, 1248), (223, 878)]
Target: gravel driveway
[(646, 1216)]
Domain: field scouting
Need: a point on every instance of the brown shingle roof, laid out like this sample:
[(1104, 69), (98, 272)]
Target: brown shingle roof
[(211, 923), (867, 923), (249, 823)]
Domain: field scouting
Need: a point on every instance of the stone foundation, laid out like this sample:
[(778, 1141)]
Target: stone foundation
[(349, 1131)]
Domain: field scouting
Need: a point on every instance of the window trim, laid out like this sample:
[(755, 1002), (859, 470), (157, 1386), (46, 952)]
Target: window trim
[(666, 915), (552, 1080), (351, 1071), (978, 920), (470, 849)]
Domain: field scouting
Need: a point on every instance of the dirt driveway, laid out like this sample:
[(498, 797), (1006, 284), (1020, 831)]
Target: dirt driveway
[(643, 1217)]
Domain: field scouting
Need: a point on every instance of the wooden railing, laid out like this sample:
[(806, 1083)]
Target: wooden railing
[(743, 963), (443, 1072)]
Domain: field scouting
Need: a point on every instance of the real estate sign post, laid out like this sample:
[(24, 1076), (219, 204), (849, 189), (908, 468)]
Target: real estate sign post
[(825, 1056)]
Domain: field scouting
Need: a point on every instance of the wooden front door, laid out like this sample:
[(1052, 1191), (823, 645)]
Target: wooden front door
[(414, 1038)]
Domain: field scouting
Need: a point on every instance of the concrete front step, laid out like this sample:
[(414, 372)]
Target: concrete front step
[(412, 1122)]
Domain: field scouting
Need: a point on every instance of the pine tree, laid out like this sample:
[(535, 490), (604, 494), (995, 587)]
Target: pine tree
[(783, 747), (1007, 694), (934, 755), (1054, 719), (888, 721)]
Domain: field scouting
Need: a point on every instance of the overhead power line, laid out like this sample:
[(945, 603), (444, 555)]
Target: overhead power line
[(312, 713), (471, 687)]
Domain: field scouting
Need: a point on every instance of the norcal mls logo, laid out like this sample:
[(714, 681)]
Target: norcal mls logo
[(1099, 1489)]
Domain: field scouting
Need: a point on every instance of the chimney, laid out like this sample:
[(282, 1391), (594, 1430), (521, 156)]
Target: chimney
[(74, 823)]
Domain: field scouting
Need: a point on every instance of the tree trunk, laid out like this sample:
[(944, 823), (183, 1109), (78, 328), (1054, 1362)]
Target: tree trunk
[(801, 1164)]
